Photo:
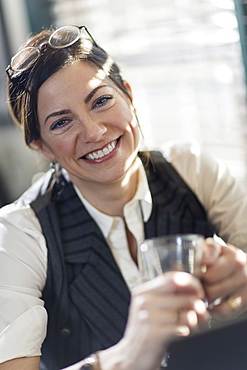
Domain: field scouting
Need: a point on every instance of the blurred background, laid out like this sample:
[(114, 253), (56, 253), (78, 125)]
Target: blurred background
[(186, 61)]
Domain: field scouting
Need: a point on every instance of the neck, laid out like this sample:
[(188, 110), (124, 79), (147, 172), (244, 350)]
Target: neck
[(110, 198)]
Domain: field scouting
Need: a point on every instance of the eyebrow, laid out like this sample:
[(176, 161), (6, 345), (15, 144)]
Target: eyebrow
[(58, 113), (67, 111), (91, 94)]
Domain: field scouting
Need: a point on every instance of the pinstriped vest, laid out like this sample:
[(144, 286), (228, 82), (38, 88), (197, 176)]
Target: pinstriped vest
[(85, 295)]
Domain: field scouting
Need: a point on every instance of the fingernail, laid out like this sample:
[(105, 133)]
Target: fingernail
[(200, 307), (192, 318), (182, 278)]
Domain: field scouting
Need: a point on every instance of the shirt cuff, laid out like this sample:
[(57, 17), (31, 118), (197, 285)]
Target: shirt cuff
[(24, 336)]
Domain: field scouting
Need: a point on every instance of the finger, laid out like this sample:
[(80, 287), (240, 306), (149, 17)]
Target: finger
[(230, 307), (182, 282), (227, 309), (157, 323), (230, 261), (189, 322), (187, 318), (172, 283), (226, 287), (211, 251), (192, 316), (170, 302), (161, 317), (203, 314), (196, 317), (228, 276), (240, 255)]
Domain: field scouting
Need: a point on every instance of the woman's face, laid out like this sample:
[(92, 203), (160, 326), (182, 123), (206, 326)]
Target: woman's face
[(87, 124)]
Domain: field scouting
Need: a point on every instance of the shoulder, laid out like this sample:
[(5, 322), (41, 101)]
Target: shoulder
[(19, 216), (192, 160), (185, 151), (21, 238), (38, 189)]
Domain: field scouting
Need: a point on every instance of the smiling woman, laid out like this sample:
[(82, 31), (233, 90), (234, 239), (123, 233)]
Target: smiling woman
[(69, 245), (91, 132)]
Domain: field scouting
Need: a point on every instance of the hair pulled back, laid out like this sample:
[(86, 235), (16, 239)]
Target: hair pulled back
[(23, 86)]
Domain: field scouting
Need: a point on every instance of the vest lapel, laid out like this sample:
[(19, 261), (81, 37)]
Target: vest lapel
[(176, 208), (96, 285)]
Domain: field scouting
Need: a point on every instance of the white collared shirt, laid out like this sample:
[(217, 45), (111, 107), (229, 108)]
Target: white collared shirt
[(113, 228), (23, 251)]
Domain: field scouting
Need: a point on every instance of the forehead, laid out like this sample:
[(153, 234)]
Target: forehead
[(68, 87), (80, 73)]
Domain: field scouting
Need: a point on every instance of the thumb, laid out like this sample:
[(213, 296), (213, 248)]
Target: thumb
[(211, 251)]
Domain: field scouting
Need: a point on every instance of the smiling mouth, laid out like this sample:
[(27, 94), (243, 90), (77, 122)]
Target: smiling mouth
[(102, 152)]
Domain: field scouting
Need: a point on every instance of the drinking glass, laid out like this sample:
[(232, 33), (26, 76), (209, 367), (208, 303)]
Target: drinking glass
[(181, 252)]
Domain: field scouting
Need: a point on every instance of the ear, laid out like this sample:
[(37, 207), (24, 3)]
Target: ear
[(128, 88), (41, 147)]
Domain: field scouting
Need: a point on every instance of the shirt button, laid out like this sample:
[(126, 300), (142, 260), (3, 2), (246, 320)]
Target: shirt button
[(132, 279), (65, 332)]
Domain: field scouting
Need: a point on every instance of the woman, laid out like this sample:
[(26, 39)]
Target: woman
[(70, 243)]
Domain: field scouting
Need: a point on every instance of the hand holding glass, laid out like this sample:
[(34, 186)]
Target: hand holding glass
[(182, 252)]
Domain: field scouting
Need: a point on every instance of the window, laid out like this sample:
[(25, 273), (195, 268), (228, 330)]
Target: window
[(183, 59)]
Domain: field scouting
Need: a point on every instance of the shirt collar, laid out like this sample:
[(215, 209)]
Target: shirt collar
[(104, 221), (142, 195)]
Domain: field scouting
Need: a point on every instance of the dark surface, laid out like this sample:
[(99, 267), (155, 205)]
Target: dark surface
[(223, 348)]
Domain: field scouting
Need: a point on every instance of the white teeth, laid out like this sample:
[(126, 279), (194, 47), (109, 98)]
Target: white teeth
[(106, 151), (101, 153)]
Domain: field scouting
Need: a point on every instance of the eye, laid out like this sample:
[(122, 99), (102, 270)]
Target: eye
[(102, 101), (60, 123)]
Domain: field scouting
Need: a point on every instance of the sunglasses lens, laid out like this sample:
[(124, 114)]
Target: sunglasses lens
[(24, 59), (64, 37)]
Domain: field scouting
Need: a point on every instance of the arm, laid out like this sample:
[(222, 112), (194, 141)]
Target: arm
[(23, 318), (224, 199), (25, 363), (162, 309)]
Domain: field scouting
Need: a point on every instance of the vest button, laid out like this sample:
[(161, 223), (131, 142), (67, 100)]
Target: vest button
[(65, 332)]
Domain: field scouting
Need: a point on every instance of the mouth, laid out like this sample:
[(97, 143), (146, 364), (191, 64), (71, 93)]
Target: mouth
[(106, 150)]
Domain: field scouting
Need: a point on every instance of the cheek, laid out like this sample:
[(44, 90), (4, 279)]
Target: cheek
[(126, 118), (133, 126), (61, 146)]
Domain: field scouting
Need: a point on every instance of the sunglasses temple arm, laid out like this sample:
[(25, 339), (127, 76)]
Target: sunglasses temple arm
[(89, 34), (7, 71)]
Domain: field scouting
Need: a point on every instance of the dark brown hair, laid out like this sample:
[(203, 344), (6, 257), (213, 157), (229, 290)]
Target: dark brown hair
[(23, 86)]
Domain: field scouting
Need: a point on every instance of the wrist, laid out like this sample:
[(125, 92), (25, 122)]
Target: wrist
[(123, 356), (91, 362), (110, 359), (117, 357)]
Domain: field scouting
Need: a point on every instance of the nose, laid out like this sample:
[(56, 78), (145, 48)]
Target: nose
[(92, 130)]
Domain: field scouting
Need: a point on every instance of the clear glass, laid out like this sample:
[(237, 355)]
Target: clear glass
[(64, 37), (182, 252), (24, 59)]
